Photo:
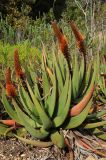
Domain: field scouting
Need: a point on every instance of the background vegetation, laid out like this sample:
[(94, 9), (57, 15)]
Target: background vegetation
[(24, 24)]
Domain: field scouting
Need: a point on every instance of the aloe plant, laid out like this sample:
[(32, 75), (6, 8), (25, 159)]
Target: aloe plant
[(55, 98)]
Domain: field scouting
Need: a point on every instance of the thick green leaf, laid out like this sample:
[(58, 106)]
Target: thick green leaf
[(27, 103), (58, 73), (58, 139), (75, 79), (94, 125), (45, 80), (97, 114), (38, 133), (24, 97), (59, 120), (28, 76), (52, 99), (92, 78), (24, 116), (62, 62), (81, 72), (3, 130), (79, 119), (102, 86), (102, 99), (42, 114), (99, 134), (35, 142), (94, 73), (86, 79), (64, 94), (35, 85), (9, 109), (21, 132)]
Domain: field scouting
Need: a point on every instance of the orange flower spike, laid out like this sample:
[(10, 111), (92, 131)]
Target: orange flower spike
[(79, 37), (18, 69), (8, 76), (57, 31), (63, 44), (10, 89)]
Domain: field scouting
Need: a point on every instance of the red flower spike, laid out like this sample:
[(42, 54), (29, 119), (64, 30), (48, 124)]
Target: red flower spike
[(79, 38), (18, 69), (63, 44), (8, 76), (10, 89), (78, 35)]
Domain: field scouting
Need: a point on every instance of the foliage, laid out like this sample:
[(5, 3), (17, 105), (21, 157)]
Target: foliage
[(26, 51), (19, 12), (101, 12), (40, 31), (73, 12), (34, 33)]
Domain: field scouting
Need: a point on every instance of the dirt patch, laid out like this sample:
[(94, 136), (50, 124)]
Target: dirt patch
[(12, 149), (79, 147)]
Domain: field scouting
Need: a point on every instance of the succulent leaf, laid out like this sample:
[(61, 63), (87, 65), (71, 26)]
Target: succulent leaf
[(58, 139), (42, 114), (76, 121)]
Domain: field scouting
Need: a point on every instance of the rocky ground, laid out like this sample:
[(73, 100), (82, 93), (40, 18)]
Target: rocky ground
[(79, 147), (11, 149)]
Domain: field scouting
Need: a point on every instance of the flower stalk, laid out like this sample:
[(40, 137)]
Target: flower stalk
[(18, 69), (10, 88)]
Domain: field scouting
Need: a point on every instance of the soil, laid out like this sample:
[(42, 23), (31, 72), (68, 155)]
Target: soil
[(12, 149), (95, 149)]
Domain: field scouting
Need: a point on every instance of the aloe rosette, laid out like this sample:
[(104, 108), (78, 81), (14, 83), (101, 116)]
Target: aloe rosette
[(55, 98)]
